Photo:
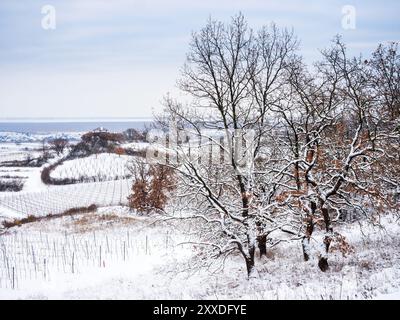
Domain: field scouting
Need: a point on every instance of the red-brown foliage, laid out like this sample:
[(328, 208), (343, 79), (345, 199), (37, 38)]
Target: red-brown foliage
[(151, 187)]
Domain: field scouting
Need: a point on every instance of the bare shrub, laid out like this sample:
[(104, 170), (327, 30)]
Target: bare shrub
[(151, 186), (32, 218), (13, 185)]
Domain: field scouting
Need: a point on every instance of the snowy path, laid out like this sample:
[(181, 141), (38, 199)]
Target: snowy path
[(34, 182)]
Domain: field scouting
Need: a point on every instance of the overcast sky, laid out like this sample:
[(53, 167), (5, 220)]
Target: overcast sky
[(117, 58)]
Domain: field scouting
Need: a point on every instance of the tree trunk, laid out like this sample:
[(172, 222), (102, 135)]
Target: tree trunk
[(323, 264), (323, 259), (305, 244), (297, 175), (250, 265), (309, 231), (262, 245)]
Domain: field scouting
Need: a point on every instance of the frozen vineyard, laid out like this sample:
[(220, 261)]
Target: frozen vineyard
[(99, 167), (58, 199), (34, 257)]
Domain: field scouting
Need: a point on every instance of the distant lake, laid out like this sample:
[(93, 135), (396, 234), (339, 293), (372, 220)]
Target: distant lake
[(71, 126)]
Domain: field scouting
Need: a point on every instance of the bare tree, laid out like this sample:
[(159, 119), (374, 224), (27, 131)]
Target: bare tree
[(234, 77), (58, 145), (270, 150), (333, 131), (385, 63), (385, 76)]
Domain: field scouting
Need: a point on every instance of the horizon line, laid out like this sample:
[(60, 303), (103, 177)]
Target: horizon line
[(74, 119)]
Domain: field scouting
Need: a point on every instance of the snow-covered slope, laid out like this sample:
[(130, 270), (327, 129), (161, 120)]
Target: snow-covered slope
[(115, 254), (57, 199), (100, 167)]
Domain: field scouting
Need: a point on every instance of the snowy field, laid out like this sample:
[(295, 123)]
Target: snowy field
[(39, 199), (57, 199), (23, 176), (12, 151), (99, 167), (85, 251), (113, 254)]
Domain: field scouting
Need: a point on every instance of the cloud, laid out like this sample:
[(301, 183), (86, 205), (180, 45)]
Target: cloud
[(132, 92), (125, 53)]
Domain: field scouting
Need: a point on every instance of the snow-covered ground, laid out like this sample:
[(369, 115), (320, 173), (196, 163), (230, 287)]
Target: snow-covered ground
[(114, 254), (136, 145), (29, 177), (39, 199), (59, 257), (99, 167), (17, 151)]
